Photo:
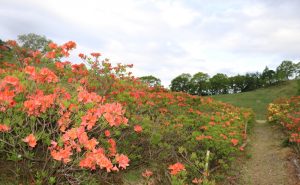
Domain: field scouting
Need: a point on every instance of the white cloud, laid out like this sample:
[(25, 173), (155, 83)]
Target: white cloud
[(254, 11), (175, 14), (165, 38)]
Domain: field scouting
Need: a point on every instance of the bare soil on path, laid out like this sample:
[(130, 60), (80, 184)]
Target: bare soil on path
[(270, 163)]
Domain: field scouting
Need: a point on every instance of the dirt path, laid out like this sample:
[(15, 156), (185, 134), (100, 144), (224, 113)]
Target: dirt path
[(269, 164)]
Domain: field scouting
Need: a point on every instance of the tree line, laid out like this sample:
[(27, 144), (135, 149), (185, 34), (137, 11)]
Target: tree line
[(202, 84)]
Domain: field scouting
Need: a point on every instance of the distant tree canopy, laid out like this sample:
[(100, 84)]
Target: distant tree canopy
[(237, 83), (181, 83), (285, 70), (297, 70), (151, 80), (33, 41), (201, 84), (268, 76), (1, 42), (219, 84)]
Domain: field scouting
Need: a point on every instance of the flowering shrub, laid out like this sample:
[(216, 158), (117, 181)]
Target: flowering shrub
[(53, 122), (71, 124), (287, 113)]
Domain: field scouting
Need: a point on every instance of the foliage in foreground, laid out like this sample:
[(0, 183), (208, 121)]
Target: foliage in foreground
[(287, 113), (64, 123)]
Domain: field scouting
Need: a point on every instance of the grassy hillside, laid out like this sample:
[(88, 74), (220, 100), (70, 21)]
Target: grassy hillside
[(259, 99)]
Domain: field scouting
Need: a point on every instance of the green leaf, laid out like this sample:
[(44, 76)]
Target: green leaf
[(155, 139)]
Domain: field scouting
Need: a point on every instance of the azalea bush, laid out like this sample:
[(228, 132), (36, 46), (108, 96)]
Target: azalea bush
[(93, 122), (48, 121), (286, 112)]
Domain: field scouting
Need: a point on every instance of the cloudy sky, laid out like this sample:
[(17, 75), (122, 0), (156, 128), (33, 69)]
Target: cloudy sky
[(165, 38)]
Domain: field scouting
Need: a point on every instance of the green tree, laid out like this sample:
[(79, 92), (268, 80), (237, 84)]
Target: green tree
[(285, 70), (297, 70), (237, 83), (219, 84), (268, 76), (252, 81), (199, 84), (151, 80), (1, 42), (181, 83), (33, 41)]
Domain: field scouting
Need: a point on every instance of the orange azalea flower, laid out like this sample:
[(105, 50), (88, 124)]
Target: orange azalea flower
[(81, 55), (197, 181), (122, 160), (38, 103), (4, 128), (212, 123), (31, 140), (96, 54), (83, 137), (50, 55), (11, 43), (113, 147), (227, 123), (114, 114), (175, 168), (70, 80), (30, 70), (35, 53), (86, 97), (11, 80), (104, 162), (62, 154), (91, 144), (201, 137), (204, 127), (107, 133), (88, 162), (79, 69), (70, 134), (90, 119), (97, 157), (52, 45), (46, 75), (223, 135), (59, 65), (138, 128), (69, 45), (234, 141), (64, 121), (147, 173)]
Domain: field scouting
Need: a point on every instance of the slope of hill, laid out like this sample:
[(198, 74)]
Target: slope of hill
[(259, 99), (66, 123)]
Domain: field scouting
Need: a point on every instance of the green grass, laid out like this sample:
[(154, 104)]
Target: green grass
[(259, 99)]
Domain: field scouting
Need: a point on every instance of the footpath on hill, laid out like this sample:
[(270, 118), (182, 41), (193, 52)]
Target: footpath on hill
[(270, 162)]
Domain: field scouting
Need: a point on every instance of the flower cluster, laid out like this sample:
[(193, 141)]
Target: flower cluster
[(176, 168), (4, 128), (59, 51), (286, 112), (9, 88), (44, 75), (38, 103), (85, 97), (31, 140)]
